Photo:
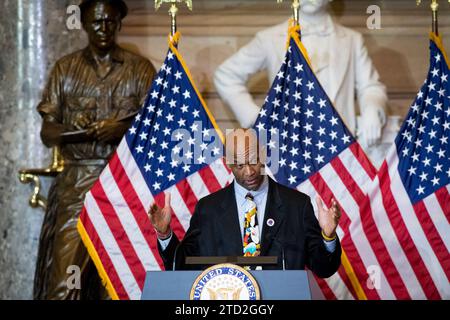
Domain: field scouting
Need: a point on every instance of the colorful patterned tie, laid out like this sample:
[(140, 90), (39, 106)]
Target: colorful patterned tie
[(252, 246)]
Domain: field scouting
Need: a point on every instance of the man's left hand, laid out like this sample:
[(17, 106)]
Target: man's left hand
[(328, 218)]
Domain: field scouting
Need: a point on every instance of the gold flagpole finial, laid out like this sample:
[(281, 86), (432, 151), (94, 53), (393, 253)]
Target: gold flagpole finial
[(434, 9), (173, 11), (296, 7)]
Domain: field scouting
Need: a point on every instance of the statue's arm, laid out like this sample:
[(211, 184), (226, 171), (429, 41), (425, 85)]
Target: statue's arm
[(372, 96)]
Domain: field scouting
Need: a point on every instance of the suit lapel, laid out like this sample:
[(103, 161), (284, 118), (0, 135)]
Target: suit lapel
[(275, 213), (229, 220)]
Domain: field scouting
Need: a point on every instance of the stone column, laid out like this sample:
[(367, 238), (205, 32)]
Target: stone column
[(33, 35)]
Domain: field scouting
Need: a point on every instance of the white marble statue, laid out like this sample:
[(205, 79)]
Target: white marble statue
[(339, 59)]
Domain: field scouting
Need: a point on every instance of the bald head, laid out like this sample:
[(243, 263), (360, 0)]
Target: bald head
[(244, 156)]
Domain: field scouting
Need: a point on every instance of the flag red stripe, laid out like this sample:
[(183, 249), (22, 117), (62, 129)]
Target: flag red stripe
[(443, 198), (436, 243), (121, 237), (210, 180), (104, 256), (371, 231), (188, 196), (135, 205), (362, 158), (346, 242), (403, 236), (325, 288)]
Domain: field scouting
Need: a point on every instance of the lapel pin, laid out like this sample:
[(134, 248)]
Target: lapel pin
[(270, 222)]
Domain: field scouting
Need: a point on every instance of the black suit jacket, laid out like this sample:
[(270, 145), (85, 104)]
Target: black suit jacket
[(214, 231)]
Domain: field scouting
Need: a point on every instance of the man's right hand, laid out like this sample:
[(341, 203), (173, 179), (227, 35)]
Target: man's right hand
[(160, 218)]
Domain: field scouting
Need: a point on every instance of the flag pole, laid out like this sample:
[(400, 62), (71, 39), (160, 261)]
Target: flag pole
[(296, 5), (434, 9), (173, 11), (296, 8)]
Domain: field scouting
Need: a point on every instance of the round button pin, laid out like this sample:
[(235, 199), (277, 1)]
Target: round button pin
[(270, 222)]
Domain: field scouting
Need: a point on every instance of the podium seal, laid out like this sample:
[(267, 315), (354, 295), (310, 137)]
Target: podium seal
[(225, 282)]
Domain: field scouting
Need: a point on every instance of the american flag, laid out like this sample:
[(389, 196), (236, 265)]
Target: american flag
[(394, 228), (173, 146), (317, 154), (410, 196)]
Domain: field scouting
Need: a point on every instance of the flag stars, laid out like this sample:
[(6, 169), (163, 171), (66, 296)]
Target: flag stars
[(159, 172), (438, 167), (297, 95), (310, 99), (169, 117), (432, 86), (184, 108), (187, 94), (435, 72), (143, 136), (420, 190), (178, 75), (435, 181), (320, 145), (412, 170), (322, 103), (435, 120), (292, 180), (139, 149), (306, 155), (161, 159), (307, 141), (345, 139), (172, 103), (423, 176), (176, 89), (310, 85), (319, 159), (306, 169), (147, 122), (156, 186), (309, 113), (321, 117), (334, 121)]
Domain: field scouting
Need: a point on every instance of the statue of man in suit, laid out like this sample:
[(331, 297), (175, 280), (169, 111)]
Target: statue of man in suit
[(339, 59), (253, 216), (95, 91)]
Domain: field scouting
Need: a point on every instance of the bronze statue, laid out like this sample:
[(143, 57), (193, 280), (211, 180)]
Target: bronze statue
[(86, 108)]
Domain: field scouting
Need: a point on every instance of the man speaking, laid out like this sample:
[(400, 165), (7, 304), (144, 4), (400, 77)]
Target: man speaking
[(254, 216)]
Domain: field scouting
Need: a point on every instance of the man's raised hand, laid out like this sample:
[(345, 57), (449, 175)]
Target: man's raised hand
[(160, 218)]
